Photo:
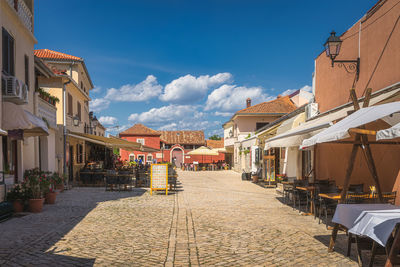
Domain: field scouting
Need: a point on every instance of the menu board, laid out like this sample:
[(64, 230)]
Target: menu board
[(159, 178)]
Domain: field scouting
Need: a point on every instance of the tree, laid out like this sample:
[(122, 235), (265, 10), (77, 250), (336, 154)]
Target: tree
[(215, 137)]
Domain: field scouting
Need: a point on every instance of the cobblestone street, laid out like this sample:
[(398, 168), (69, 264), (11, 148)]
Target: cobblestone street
[(215, 219)]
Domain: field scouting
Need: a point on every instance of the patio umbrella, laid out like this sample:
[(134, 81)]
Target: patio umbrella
[(203, 151)]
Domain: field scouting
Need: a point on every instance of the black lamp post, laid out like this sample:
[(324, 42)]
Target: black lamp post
[(332, 49)]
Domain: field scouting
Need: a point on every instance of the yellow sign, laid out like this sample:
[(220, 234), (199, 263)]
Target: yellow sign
[(159, 178)]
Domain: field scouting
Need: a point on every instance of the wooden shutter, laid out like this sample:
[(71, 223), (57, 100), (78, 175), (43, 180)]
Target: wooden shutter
[(8, 52), (79, 111), (70, 105), (27, 70)]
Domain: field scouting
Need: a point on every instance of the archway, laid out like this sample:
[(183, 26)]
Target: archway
[(178, 154)]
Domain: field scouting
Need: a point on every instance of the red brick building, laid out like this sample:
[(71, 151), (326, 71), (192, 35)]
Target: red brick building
[(170, 143)]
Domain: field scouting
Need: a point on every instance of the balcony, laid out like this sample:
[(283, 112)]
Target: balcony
[(23, 12), (230, 141), (47, 112)]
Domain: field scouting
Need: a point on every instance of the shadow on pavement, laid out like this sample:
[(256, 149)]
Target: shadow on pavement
[(25, 240)]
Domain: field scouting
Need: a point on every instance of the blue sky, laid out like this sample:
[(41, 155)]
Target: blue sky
[(191, 64)]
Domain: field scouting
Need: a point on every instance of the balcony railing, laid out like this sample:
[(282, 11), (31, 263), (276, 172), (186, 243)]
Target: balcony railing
[(47, 112), (23, 12)]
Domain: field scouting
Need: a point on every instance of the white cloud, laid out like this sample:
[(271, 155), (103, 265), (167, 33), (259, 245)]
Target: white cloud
[(230, 98), (223, 114), (191, 89), (306, 88), (143, 91), (96, 89), (99, 104), (164, 114), (108, 120)]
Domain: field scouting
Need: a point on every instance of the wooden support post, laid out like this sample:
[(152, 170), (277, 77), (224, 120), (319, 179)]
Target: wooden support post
[(367, 97), (371, 165), (394, 250), (346, 184), (354, 98)]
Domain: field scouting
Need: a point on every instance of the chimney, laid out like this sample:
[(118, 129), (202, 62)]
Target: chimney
[(248, 102)]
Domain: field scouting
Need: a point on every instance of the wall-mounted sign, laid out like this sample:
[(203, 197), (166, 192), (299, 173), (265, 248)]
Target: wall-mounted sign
[(159, 155), (159, 178)]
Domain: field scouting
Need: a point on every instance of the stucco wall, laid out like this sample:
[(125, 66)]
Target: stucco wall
[(333, 84)]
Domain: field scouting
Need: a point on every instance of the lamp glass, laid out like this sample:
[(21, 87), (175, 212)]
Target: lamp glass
[(76, 121), (332, 45)]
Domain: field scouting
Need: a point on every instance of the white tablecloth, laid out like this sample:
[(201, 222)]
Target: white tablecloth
[(376, 221)]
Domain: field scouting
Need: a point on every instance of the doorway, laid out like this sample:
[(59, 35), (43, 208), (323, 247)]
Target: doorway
[(177, 157)]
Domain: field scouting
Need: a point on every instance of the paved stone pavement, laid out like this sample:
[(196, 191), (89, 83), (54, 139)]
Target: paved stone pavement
[(214, 220)]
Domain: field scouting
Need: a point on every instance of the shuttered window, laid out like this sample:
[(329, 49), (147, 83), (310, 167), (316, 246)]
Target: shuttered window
[(26, 59), (70, 111), (79, 110), (8, 53)]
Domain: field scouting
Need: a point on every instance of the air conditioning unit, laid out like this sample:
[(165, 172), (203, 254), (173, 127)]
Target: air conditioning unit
[(14, 90), (311, 110)]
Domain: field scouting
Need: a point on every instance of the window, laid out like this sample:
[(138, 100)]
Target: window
[(26, 59), (79, 110), (167, 146), (8, 53), (69, 111), (259, 125), (81, 85), (149, 158), (140, 140), (79, 153), (132, 157)]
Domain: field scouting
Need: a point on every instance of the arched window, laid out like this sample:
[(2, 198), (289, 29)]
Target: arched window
[(132, 157), (149, 158)]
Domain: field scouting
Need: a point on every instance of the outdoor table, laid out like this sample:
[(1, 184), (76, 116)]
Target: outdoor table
[(332, 196), (376, 221), (310, 189)]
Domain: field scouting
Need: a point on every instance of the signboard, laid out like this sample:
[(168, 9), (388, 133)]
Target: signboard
[(159, 155), (159, 178)]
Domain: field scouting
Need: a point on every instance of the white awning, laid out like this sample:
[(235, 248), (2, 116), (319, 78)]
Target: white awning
[(16, 118), (295, 136), (391, 133), (361, 117)]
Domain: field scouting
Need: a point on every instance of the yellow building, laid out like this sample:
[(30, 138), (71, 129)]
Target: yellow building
[(19, 104), (71, 85)]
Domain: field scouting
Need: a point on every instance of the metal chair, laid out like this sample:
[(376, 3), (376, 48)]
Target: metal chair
[(327, 206)]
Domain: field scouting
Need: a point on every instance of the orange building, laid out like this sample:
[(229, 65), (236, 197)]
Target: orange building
[(375, 40), (171, 145)]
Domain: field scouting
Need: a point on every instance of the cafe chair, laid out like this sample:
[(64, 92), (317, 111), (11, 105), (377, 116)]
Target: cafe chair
[(300, 197), (356, 188), (327, 206)]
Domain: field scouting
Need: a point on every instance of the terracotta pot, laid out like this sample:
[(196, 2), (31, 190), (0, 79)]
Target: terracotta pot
[(18, 205), (255, 179), (36, 205), (60, 187), (50, 198)]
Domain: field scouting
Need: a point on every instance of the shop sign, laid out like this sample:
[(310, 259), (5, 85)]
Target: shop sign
[(159, 178)]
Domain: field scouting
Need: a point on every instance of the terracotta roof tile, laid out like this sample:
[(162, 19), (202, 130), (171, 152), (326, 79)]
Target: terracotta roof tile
[(183, 137), (50, 54), (215, 143), (140, 129), (279, 105)]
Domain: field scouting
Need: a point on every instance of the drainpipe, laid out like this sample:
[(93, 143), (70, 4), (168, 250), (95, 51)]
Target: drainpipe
[(65, 129)]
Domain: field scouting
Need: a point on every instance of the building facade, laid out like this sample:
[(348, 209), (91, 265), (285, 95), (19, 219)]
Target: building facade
[(172, 146)]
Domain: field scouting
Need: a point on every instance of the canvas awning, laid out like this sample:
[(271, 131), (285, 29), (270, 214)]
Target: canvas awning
[(361, 117), (390, 133), (203, 151), (296, 135), (2, 132), (220, 150), (16, 118), (106, 141)]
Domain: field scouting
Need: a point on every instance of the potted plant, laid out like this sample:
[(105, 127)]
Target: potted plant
[(50, 196), (17, 197), (58, 181), (35, 181)]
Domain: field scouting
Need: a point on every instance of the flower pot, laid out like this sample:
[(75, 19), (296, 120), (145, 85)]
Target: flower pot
[(36, 205), (18, 205), (50, 198), (60, 187), (255, 179)]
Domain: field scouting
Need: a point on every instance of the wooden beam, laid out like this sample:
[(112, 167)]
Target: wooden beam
[(371, 165), (346, 184), (354, 98), (367, 97), (361, 131), (370, 142)]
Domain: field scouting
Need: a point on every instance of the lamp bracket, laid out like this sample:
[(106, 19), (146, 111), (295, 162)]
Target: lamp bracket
[(350, 66)]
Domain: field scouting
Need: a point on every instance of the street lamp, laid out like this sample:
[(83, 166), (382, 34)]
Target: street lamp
[(75, 120), (332, 49), (95, 122)]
